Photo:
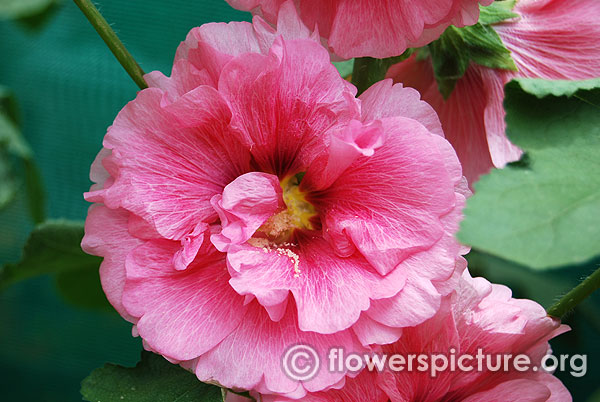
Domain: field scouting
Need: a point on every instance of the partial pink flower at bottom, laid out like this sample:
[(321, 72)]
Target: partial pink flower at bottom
[(479, 317), (551, 39), (251, 202), (362, 388)]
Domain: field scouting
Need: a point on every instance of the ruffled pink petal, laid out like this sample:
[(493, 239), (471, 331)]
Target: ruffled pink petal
[(375, 28), (231, 397), (466, 12), (355, 140), (462, 114), (98, 173), (559, 393), (385, 99), (522, 325), (102, 173), (389, 205), (381, 28), (436, 335), (261, 274), (190, 246), (168, 172), (289, 26), (106, 236), (211, 46), (554, 39), (371, 332), (418, 301), (246, 203), (184, 78), (477, 316), (282, 112), (520, 390), (330, 292), (251, 357), (362, 388), (182, 314)]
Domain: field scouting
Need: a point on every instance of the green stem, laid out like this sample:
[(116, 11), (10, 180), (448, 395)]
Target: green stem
[(112, 41), (576, 295), (362, 72)]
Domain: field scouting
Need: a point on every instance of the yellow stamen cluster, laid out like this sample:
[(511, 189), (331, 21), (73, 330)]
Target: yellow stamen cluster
[(278, 229)]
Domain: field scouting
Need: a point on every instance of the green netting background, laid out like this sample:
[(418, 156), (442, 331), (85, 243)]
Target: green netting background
[(69, 89)]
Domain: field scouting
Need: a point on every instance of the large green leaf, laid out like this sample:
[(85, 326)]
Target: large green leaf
[(542, 88), (545, 211), (54, 249), (153, 379), (81, 287)]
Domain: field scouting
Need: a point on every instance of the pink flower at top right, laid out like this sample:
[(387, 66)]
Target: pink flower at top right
[(551, 39)]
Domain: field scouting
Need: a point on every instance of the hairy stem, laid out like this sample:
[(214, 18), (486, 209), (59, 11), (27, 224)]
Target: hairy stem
[(112, 41), (576, 295)]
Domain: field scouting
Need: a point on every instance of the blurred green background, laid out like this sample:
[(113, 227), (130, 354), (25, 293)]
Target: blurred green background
[(69, 88)]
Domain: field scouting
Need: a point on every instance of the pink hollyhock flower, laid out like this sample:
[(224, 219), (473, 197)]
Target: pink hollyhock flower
[(374, 28), (479, 316), (250, 202), (551, 39), (362, 388)]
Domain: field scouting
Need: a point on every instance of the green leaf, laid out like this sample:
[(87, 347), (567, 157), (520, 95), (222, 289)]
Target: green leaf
[(52, 248), (453, 52), (8, 105), (344, 67), (497, 12), (10, 137), (367, 70), (544, 213), (542, 88), (36, 196), (595, 396), (31, 14), (12, 148), (82, 288), (450, 59), (153, 379), (486, 48), (9, 186), (17, 9)]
